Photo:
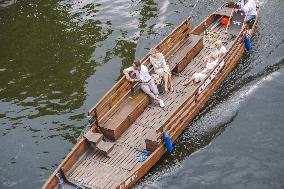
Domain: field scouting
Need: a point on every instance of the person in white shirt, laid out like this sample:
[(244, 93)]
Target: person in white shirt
[(197, 77), (250, 10), (142, 76), (161, 68)]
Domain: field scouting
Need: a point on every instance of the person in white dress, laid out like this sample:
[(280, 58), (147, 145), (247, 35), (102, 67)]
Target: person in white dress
[(142, 76), (219, 49), (197, 77), (161, 68)]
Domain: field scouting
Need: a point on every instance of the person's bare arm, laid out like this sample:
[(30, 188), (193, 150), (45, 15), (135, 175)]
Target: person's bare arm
[(126, 75), (164, 61), (153, 63)]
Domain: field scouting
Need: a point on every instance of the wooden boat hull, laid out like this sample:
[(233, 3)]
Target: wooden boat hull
[(176, 123)]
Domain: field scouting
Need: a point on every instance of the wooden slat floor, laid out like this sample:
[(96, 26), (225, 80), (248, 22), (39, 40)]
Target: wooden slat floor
[(98, 171)]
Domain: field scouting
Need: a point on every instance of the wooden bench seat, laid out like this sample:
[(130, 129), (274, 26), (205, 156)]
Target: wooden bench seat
[(180, 58), (105, 147), (125, 115), (93, 137)]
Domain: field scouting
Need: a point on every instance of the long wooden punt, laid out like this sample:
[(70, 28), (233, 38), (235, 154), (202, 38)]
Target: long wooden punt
[(125, 139)]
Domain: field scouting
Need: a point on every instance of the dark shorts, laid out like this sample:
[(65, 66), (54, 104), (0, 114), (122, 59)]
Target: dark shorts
[(251, 17)]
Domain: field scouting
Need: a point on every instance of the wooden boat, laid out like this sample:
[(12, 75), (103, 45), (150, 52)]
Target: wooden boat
[(126, 135)]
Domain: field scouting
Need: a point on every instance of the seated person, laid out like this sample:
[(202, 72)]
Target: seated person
[(197, 77), (250, 10), (146, 83), (220, 50), (161, 68)]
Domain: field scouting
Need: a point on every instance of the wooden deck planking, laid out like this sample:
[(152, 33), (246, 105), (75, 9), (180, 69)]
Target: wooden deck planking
[(123, 158), (80, 169), (116, 180)]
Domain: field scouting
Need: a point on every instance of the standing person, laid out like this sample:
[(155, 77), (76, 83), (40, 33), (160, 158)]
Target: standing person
[(161, 68), (143, 77), (250, 10)]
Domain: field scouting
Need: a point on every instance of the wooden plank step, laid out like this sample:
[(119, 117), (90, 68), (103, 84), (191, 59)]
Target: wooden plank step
[(93, 137), (182, 57), (127, 113), (105, 147)]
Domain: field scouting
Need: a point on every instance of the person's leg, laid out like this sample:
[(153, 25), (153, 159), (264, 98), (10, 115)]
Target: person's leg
[(170, 82), (246, 20), (153, 87), (189, 81), (249, 20), (192, 79), (146, 89), (166, 80)]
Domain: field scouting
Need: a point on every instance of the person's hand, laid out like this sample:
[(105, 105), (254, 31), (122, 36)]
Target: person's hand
[(128, 78)]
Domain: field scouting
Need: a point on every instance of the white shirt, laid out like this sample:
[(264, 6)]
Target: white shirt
[(212, 64), (250, 8), (143, 75)]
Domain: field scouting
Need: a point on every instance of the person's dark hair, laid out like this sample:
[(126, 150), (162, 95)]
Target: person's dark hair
[(137, 63)]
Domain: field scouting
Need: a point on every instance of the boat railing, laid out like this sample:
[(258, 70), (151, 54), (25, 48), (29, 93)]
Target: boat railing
[(122, 88), (188, 105)]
